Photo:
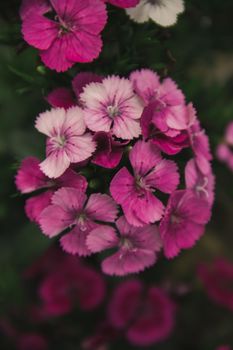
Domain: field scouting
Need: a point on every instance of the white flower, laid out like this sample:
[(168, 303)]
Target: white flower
[(163, 12)]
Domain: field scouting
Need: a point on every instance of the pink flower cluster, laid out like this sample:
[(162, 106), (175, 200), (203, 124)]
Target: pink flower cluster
[(125, 133), (224, 151), (66, 31)]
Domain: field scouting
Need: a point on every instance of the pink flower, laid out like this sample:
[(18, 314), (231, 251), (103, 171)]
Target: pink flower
[(30, 178), (146, 315), (229, 134), (224, 347), (202, 185), (184, 221), (200, 145), (109, 152), (217, 279), (123, 3), (136, 247), (67, 141), (71, 209), (72, 35), (135, 192), (112, 106), (165, 118), (68, 284), (66, 97)]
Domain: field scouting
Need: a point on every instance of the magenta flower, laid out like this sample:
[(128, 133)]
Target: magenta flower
[(112, 106), (67, 97), (224, 347), (135, 192), (202, 185), (183, 222), (136, 247), (67, 141), (108, 152), (71, 283), (217, 279), (71, 209), (146, 315), (30, 178), (123, 3), (73, 35)]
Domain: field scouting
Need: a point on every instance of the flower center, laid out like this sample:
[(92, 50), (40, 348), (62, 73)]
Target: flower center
[(175, 219), (113, 111), (81, 221), (155, 2), (126, 243), (59, 141)]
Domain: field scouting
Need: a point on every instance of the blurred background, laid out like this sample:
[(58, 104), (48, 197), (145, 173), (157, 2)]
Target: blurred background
[(198, 54)]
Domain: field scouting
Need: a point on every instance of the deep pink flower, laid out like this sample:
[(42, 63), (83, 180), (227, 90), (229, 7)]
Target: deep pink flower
[(71, 209), (123, 3), (146, 315), (108, 152), (218, 281), (224, 347), (202, 185), (61, 97), (135, 192), (71, 283), (67, 141), (184, 221), (73, 35), (29, 341), (136, 247), (229, 134), (112, 105), (200, 145), (30, 178), (67, 97)]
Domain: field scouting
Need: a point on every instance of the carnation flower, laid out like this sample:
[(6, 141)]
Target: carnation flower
[(217, 279), (28, 341), (146, 315), (112, 106), (72, 35), (162, 12), (183, 222), (136, 247), (135, 193), (30, 178), (71, 209), (67, 141)]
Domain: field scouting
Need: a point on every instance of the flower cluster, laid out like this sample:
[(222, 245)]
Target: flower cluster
[(68, 31), (127, 133), (224, 150)]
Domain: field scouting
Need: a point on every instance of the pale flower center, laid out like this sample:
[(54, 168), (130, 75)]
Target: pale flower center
[(81, 221), (113, 111), (126, 243), (155, 2), (59, 141)]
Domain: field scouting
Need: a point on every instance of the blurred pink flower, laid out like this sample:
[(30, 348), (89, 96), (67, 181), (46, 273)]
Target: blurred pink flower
[(136, 247), (135, 192), (183, 222), (217, 279), (67, 141), (224, 151), (112, 106), (72, 35), (146, 315), (71, 209), (30, 178), (29, 341)]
